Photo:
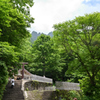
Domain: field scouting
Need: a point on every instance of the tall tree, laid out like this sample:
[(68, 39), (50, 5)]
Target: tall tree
[(25, 50), (8, 61), (45, 57), (23, 6), (13, 24), (81, 37)]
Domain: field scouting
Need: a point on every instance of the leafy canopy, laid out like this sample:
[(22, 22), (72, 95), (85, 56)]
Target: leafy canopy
[(45, 57), (81, 37)]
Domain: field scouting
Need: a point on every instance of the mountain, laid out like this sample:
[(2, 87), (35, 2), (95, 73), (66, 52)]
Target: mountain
[(50, 34), (35, 35)]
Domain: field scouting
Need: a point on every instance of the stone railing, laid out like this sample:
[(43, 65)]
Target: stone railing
[(67, 86), (50, 88), (38, 78)]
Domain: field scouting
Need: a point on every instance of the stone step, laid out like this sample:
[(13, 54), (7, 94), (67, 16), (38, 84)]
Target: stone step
[(12, 90), (13, 99), (17, 98), (14, 96), (14, 93)]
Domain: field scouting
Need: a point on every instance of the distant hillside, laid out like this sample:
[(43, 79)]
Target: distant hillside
[(50, 34), (35, 35)]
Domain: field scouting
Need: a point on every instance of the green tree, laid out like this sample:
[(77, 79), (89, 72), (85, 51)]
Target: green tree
[(23, 6), (8, 59), (3, 78), (46, 59), (81, 37), (12, 26), (25, 50), (13, 31), (66, 58)]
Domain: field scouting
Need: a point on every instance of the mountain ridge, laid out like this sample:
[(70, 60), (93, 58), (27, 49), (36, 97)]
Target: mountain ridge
[(36, 34)]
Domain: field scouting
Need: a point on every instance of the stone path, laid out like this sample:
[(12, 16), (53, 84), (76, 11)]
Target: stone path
[(14, 93)]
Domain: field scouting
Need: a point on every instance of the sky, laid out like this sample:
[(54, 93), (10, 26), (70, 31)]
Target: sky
[(50, 12)]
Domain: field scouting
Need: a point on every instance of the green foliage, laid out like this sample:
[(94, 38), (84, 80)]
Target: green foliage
[(63, 94), (7, 50), (81, 37), (79, 95), (8, 55), (25, 50), (66, 58), (70, 95), (13, 31), (74, 77), (91, 92), (45, 58), (3, 77), (13, 22), (27, 89), (23, 6)]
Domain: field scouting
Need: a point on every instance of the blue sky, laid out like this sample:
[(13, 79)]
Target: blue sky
[(91, 2), (50, 12)]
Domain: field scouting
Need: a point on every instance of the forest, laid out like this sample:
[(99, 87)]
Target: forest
[(71, 55)]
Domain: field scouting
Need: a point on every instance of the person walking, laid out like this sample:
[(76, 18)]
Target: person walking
[(12, 79), (12, 85), (12, 82)]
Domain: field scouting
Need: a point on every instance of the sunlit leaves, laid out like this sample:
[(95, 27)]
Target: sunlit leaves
[(13, 24), (81, 37), (45, 58)]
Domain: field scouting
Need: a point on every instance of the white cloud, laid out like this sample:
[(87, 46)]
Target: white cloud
[(49, 12), (87, 0)]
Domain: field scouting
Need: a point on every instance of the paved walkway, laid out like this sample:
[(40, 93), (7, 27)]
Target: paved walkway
[(13, 93)]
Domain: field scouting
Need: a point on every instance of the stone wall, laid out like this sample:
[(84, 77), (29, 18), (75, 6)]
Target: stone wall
[(35, 85), (38, 78), (67, 86), (35, 90), (41, 95), (50, 88)]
